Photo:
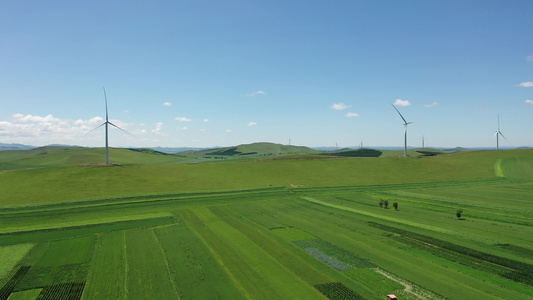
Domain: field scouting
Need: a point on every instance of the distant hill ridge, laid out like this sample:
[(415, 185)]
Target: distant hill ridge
[(257, 149)]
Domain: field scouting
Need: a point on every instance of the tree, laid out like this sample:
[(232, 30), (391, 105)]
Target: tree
[(395, 205), (459, 213), (381, 203), (386, 203)]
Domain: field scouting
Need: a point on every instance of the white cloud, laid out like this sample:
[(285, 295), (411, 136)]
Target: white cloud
[(157, 129), (183, 119), (530, 102), (526, 84), (45, 130), (91, 122), (229, 130), (351, 114), (252, 123), (206, 120), (167, 104), (400, 102), (432, 104), (255, 94), (529, 57), (48, 129), (182, 128), (33, 119), (339, 106), (139, 132)]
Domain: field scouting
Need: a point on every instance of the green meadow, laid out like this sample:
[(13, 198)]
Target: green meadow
[(295, 225)]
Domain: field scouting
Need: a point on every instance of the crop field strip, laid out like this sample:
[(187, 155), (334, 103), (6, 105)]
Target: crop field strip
[(109, 254), (147, 273), (74, 220), (67, 232), (193, 268), (270, 271), (240, 271), (198, 199)]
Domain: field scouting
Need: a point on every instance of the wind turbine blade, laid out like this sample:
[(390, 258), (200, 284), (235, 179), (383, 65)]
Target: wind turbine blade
[(95, 128), (120, 128), (502, 135), (405, 122), (106, 115)]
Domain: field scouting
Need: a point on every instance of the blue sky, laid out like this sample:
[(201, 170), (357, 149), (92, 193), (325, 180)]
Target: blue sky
[(221, 73)]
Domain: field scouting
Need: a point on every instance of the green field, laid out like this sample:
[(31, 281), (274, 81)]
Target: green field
[(295, 227)]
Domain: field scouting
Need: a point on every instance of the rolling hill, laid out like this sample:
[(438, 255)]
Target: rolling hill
[(56, 156), (253, 150)]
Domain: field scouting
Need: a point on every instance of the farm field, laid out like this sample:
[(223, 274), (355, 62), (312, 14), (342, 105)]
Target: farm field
[(275, 229)]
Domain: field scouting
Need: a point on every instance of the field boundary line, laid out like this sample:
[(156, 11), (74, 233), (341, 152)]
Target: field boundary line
[(84, 223), (166, 263), (130, 199), (125, 266), (362, 212)]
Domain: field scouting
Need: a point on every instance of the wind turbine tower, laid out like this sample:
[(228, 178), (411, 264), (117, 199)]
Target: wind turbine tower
[(497, 134), (405, 123), (106, 123)]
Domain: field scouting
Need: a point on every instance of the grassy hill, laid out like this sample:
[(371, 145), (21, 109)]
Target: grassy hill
[(254, 150), (55, 156)]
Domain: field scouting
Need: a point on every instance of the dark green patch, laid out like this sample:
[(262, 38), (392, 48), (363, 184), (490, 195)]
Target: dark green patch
[(225, 151), (337, 253), (337, 290), (148, 151), (70, 290), (15, 277), (248, 153), (356, 153), (525, 252), (429, 153)]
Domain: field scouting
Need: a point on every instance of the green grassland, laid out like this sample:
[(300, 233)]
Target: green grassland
[(301, 226), (55, 156)]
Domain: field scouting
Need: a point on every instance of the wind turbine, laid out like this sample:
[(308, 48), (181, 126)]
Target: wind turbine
[(497, 134), (405, 123), (106, 123)]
